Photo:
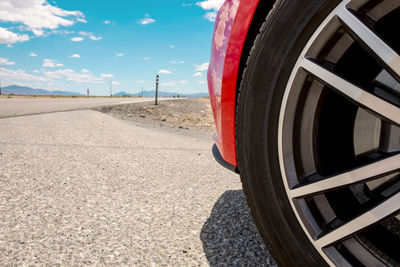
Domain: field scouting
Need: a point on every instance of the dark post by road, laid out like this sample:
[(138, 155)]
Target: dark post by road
[(157, 79), (87, 91)]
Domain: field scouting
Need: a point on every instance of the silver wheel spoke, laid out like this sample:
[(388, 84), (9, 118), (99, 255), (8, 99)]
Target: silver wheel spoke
[(355, 93), (383, 53), (374, 170), (331, 43), (375, 215)]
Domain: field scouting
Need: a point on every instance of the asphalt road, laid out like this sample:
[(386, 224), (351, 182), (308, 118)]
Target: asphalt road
[(84, 188), (17, 106)]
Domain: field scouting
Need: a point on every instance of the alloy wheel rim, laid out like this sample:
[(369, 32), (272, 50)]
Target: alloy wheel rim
[(311, 187)]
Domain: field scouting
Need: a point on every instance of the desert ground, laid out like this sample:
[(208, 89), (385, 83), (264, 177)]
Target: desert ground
[(185, 114)]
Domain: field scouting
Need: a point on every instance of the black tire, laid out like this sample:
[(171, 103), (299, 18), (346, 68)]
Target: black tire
[(281, 39)]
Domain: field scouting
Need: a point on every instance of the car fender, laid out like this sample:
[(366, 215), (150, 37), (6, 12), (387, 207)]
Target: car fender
[(230, 31)]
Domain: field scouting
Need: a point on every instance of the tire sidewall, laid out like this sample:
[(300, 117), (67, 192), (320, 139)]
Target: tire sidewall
[(282, 38)]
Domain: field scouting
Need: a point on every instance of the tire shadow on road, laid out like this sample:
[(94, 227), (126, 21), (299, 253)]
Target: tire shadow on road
[(229, 235)]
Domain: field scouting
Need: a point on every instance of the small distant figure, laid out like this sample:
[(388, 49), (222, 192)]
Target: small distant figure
[(87, 91)]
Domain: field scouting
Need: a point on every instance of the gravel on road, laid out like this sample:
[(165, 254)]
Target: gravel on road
[(85, 188)]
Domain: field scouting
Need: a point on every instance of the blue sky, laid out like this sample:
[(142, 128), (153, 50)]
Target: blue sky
[(74, 45)]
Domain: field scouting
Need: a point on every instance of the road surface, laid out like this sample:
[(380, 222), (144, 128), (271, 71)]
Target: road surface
[(84, 188), (19, 106)]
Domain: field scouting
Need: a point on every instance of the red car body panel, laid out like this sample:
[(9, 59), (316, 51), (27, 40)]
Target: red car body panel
[(230, 31)]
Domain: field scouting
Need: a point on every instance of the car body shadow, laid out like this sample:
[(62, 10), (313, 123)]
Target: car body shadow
[(229, 235)]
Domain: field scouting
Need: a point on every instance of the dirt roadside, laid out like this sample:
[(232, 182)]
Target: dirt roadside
[(186, 114)]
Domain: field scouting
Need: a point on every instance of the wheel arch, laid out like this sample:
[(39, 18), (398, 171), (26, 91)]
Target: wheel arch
[(264, 7)]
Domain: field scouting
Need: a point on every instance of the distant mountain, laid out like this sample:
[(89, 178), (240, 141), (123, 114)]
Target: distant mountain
[(162, 94), (21, 90), (122, 93)]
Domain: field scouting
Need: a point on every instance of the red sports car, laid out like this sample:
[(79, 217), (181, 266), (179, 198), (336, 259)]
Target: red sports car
[(306, 102)]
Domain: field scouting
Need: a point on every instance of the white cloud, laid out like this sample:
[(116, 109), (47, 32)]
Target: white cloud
[(38, 32), (201, 67), (81, 20), (33, 54), (115, 83), (173, 83), (103, 75), (173, 62), (168, 84), (75, 56), (146, 20), (62, 32), (6, 62), (140, 81), (201, 82), (85, 71), (76, 39), (211, 4), (51, 63), (19, 76), (120, 54), (146, 58), (37, 15), (211, 16), (70, 75), (171, 46), (94, 38), (198, 74), (90, 35), (84, 33), (8, 37), (164, 72), (109, 22)]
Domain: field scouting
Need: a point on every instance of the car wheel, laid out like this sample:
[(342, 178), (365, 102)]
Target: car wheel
[(317, 132)]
